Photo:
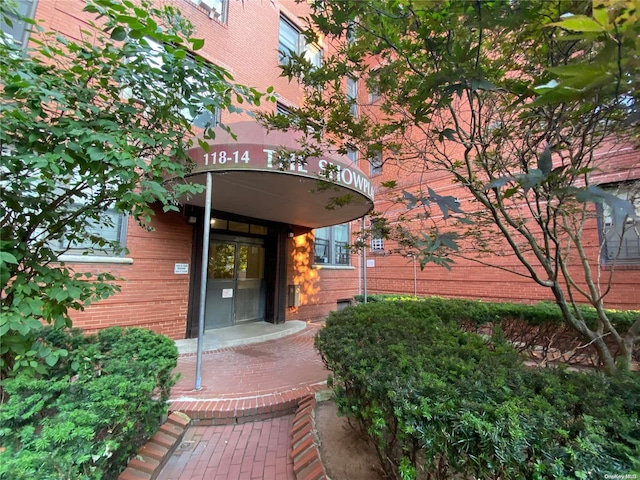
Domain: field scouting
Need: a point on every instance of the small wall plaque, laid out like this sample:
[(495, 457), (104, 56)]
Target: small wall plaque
[(181, 269)]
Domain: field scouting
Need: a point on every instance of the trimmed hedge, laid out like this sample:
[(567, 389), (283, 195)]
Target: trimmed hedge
[(93, 410), (441, 403), (479, 312)]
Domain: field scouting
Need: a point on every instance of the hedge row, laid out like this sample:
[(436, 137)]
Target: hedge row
[(479, 312), (440, 403), (93, 410)]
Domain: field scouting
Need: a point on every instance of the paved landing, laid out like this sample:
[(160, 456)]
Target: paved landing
[(250, 382)]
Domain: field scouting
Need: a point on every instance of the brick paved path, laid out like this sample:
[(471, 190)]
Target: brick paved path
[(257, 450), (234, 434)]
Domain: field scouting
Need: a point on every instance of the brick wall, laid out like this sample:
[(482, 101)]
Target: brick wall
[(321, 286), (467, 279), (151, 294)]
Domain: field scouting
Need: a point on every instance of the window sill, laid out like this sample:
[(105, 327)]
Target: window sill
[(329, 266), (95, 259), (620, 266)]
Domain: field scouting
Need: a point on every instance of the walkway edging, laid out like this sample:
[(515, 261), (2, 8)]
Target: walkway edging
[(152, 456), (307, 464), (231, 411)]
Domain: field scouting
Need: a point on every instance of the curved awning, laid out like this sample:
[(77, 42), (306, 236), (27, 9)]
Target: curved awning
[(248, 180)]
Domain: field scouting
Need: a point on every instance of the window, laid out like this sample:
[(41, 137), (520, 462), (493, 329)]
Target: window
[(19, 30), (352, 95), (112, 228), (375, 164), (352, 154), (291, 41), (351, 32), (373, 85), (217, 9), (377, 244), (198, 115), (282, 109), (331, 245), (621, 239)]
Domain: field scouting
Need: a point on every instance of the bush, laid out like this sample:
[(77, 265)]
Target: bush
[(93, 411), (479, 312), (440, 403)]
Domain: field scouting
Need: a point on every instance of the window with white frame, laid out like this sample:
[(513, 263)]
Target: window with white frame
[(291, 41), (100, 237), (217, 9), (352, 95), (621, 238), (331, 245), (18, 31), (352, 154), (375, 164)]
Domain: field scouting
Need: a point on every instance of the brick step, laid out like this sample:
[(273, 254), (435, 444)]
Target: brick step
[(307, 464), (235, 411), (152, 456)]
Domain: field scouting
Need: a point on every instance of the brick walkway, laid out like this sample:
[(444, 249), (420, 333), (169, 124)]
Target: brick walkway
[(242, 416), (256, 450), (251, 382)]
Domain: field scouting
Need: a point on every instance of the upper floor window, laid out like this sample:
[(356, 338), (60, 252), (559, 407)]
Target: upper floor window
[(291, 41), (331, 245), (352, 154), (375, 164), (373, 85), (282, 109), (18, 31), (196, 113), (352, 95), (217, 8), (621, 238)]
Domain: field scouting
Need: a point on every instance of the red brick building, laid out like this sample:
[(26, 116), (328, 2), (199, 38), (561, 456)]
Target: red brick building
[(275, 252)]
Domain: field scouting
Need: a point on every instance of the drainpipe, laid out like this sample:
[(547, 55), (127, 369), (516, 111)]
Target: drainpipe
[(415, 278), (203, 280), (364, 263)]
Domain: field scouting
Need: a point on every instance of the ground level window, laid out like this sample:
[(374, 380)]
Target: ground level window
[(331, 245), (100, 237), (621, 239)]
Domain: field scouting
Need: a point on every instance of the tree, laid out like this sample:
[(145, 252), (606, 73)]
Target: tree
[(102, 122), (511, 100)]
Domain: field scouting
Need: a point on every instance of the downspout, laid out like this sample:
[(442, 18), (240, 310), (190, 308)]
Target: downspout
[(364, 263)]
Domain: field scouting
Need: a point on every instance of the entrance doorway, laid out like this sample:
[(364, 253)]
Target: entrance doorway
[(236, 286)]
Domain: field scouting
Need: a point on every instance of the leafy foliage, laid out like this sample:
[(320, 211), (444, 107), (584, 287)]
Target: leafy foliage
[(92, 411), (441, 403), (90, 124), (479, 312), (511, 100)]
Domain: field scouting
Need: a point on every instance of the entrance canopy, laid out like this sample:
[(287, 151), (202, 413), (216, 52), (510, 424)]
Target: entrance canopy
[(250, 180)]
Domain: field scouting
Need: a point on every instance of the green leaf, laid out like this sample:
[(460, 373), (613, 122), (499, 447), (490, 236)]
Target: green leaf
[(118, 34), (197, 43), (545, 162), (579, 23), (7, 257)]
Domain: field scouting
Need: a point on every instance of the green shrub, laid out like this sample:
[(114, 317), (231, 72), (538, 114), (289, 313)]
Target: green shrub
[(438, 402), (479, 312), (94, 409)]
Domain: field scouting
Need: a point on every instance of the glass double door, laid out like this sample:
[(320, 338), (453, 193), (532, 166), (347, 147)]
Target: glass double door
[(236, 287)]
